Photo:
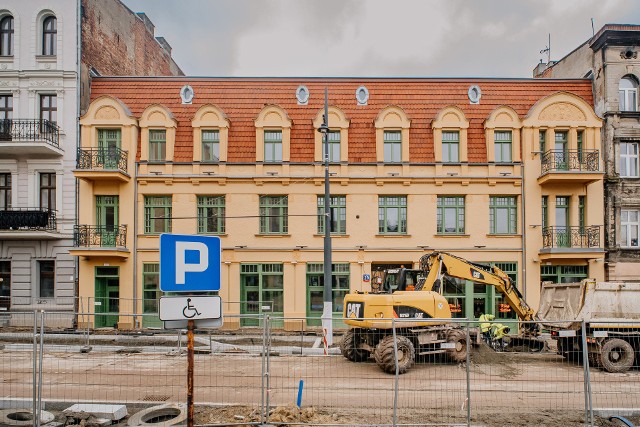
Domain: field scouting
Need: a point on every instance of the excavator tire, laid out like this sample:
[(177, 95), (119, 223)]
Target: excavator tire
[(616, 355), (349, 347), (385, 357), (459, 338)]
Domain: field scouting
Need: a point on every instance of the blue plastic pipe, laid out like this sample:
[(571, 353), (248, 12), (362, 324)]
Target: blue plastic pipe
[(300, 386)]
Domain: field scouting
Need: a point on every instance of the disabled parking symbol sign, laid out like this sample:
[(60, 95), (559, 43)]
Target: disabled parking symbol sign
[(189, 263)]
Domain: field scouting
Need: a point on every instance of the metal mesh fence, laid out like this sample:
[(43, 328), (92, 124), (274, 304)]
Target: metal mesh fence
[(263, 367)]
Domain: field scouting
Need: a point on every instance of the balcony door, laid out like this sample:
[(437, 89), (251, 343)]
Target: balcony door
[(561, 151), (109, 148), (107, 220), (563, 234), (5, 286)]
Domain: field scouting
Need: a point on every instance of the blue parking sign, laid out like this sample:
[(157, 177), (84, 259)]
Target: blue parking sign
[(189, 263)]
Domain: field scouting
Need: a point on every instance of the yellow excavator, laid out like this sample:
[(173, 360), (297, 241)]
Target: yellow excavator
[(423, 326)]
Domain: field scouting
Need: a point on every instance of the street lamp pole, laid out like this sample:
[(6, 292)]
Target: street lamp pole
[(327, 309)]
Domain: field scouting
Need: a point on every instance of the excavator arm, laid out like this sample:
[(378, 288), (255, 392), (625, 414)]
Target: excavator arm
[(436, 265)]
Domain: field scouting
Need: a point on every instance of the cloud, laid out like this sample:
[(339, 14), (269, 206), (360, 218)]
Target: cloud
[(500, 38)]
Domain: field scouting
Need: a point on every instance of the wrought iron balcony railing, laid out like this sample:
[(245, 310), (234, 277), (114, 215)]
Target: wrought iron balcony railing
[(102, 159), (100, 236), (18, 130), (570, 161), (35, 219), (571, 237)]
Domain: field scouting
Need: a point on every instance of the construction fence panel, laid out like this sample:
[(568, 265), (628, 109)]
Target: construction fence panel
[(612, 351)]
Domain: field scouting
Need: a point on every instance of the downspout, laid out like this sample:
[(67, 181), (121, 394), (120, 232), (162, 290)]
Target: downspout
[(523, 219), (76, 270), (136, 323)]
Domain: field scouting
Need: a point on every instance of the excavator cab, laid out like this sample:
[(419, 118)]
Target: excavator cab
[(401, 279)]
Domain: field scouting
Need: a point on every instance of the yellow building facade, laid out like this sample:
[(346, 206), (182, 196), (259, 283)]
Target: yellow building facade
[(504, 172)]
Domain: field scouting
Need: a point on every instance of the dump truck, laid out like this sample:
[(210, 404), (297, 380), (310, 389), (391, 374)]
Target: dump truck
[(610, 314), (415, 297)]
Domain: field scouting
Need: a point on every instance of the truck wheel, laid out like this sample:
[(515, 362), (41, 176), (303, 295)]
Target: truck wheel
[(616, 355), (385, 357), (349, 347), (458, 338)]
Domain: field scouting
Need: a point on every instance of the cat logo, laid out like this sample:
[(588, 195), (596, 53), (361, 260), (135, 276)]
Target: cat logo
[(477, 275), (354, 310)]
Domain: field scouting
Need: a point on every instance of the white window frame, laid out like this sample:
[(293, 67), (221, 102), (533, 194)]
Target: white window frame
[(627, 227), (625, 104), (627, 161)]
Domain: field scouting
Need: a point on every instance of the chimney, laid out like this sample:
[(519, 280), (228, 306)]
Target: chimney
[(165, 45), (147, 22)]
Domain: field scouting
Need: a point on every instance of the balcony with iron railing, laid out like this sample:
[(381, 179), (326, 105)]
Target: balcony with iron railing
[(100, 240), (28, 223), (102, 164), (563, 242), (576, 166), (29, 137)]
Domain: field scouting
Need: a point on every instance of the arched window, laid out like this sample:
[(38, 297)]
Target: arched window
[(6, 36), (628, 93), (49, 36)]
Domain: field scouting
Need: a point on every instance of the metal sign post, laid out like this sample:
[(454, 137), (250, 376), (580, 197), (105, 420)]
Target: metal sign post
[(190, 353), (190, 264)]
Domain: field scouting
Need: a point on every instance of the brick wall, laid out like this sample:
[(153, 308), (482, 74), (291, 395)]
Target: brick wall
[(118, 42)]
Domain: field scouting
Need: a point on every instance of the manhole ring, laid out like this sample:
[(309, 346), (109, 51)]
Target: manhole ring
[(23, 417), (160, 416)]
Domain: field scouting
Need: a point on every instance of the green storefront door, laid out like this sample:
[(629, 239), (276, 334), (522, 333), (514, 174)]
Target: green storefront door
[(261, 292), (107, 297), (107, 220), (150, 295)]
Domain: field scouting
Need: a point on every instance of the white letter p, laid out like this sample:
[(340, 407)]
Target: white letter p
[(182, 267)]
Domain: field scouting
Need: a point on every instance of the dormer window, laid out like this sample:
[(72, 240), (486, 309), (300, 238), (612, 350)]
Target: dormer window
[(157, 145), (210, 145), (273, 145), (49, 36)]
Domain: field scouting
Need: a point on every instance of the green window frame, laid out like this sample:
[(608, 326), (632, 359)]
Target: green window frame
[(450, 146), (340, 279), (545, 211), (338, 206), (157, 214), (582, 201), (109, 141), (274, 215), (543, 140), (503, 146), (392, 214), (157, 145), (392, 143), (333, 138), (563, 273), (502, 310), (272, 146), (450, 215), (150, 287), (503, 212), (261, 291), (210, 145), (580, 147), (211, 214)]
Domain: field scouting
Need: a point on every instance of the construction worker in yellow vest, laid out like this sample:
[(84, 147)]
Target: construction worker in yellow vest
[(485, 326)]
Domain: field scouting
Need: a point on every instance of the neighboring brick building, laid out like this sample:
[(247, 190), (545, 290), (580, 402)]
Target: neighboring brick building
[(39, 110), (119, 42), (611, 58), (416, 165)]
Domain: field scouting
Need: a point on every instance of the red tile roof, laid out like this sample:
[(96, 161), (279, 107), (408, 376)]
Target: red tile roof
[(242, 99)]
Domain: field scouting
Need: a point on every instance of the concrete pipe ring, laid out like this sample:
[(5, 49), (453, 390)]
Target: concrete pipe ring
[(160, 416), (23, 417)]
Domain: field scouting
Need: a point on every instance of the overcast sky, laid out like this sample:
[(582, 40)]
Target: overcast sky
[(377, 38)]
